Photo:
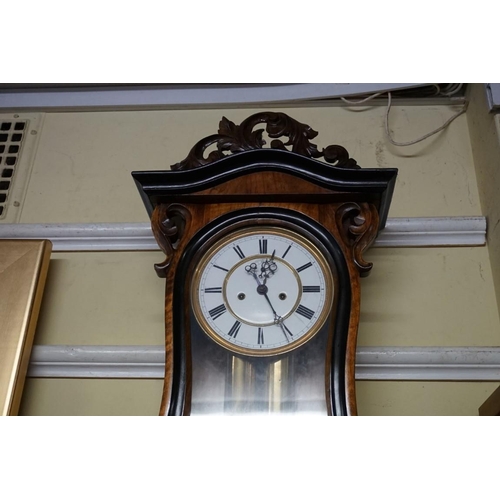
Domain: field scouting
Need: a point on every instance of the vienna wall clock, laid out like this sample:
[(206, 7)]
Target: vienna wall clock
[(264, 251)]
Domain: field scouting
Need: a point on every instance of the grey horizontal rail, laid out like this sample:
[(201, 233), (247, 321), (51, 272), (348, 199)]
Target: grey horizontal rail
[(398, 233), (372, 363)]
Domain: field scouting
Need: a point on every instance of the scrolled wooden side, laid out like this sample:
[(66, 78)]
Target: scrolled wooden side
[(168, 223), (358, 224)]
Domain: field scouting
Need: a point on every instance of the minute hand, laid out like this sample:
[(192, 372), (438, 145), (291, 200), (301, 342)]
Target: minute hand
[(262, 290), (277, 319)]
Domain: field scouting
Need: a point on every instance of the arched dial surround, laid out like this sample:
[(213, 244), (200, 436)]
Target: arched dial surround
[(262, 291)]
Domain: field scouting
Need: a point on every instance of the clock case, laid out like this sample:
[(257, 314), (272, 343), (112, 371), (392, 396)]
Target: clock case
[(240, 183)]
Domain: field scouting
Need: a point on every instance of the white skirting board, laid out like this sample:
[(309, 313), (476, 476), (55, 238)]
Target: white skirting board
[(372, 363), (398, 233)]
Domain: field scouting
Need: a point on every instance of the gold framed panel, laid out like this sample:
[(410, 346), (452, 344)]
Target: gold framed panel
[(23, 271)]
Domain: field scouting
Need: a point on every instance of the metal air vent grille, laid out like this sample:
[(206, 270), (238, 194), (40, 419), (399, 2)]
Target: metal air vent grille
[(12, 133), (19, 138)]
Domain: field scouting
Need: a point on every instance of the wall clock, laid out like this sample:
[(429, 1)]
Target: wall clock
[(264, 251)]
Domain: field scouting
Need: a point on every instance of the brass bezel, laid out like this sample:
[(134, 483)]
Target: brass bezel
[(262, 230)]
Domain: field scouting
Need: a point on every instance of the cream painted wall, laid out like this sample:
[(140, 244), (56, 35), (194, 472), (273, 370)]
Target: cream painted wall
[(141, 397), (485, 142), (429, 297), (83, 163), (418, 297), (103, 298), (91, 397), (116, 298), (422, 398)]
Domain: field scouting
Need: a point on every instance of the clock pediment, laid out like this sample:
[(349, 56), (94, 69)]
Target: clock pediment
[(265, 174)]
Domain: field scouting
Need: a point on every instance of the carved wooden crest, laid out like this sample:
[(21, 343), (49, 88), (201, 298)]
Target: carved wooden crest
[(233, 138)]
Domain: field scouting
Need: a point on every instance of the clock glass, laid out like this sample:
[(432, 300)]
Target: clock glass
[(262, 299), (262, 291)]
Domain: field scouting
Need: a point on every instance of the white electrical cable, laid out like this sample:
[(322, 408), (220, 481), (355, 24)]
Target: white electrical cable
[(369, 98), (420, 139), (438, 88), (454, 91), (451, 90)]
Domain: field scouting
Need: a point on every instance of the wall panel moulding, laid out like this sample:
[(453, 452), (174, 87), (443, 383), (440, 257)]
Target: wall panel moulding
[(398, 233), (372, 363)]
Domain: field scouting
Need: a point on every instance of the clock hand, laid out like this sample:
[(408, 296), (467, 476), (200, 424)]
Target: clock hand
[(278, 320), (276, 317), (268, 268), (262, 290), (252, 269)]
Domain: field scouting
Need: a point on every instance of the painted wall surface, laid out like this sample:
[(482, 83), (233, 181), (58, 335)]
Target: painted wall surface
[(415, 297), (83, 163), (140, 397), (485, 142)]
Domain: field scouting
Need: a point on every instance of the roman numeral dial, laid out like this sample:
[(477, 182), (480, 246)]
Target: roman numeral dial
[(262, 291), (239, 252), (263, 245), (217, 312), (305, 311), (233, 332), (305, 266), (260, 336)]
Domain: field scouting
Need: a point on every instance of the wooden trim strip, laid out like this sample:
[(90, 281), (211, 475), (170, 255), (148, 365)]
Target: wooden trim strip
[(372, 363), (398, 233)]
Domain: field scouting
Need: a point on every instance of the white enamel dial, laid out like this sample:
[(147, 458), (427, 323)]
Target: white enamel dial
[(262, 291)]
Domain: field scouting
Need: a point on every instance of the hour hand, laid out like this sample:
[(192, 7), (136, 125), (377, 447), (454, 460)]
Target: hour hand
[(252, 269), (268, 267)]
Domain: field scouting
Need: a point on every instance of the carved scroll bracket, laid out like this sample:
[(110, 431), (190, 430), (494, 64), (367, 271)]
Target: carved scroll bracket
[(358, 224), (233, 138), (169, 223)]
